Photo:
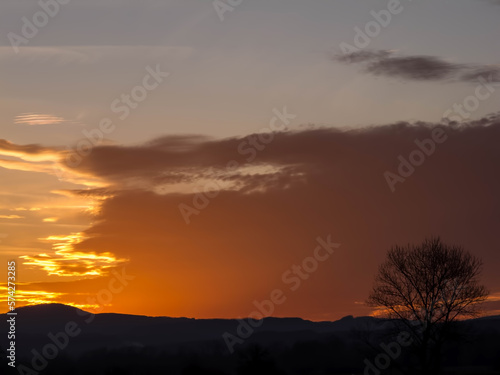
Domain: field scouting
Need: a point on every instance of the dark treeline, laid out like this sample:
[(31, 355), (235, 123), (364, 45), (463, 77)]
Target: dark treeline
[(343, 353)]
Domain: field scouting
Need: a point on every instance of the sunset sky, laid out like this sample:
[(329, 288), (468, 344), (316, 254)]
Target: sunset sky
[(178, 191)]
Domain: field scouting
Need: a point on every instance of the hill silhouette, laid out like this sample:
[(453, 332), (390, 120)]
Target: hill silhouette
[(134, 344), (111, 330)]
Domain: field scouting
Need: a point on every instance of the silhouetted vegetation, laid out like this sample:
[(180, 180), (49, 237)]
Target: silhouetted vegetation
[(426, 289), (327, 354)]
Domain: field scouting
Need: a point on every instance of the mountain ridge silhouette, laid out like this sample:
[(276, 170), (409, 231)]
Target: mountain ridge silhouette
[(151, 339)]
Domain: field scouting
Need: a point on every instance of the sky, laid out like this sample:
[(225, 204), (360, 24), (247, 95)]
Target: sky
[(183, 158)]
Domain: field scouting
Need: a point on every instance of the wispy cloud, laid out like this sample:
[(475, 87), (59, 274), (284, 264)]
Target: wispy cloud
[(50, 220), (49, 160), (38, 119), (418, 68), (31, 152), (66, 261), (39, 293), (65, 55)]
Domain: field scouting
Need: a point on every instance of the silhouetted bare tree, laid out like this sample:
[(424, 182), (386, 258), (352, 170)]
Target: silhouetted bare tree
[(426, 288)]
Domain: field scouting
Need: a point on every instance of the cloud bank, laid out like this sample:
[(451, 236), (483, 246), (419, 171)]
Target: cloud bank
[(272, 205)]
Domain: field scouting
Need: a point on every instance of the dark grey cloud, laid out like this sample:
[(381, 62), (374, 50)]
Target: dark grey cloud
[(177, 160), (492, 73), (419, 68)]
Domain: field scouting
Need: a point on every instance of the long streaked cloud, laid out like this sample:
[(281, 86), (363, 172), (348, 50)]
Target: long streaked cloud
[(36, 119), (31, 152), (66, 261), (48, 160), (174, 163), (64, 55), (11, 217), (184, 161), (30, 297), (418, 68), (55, 292)]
